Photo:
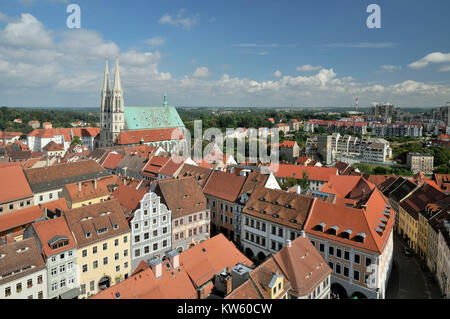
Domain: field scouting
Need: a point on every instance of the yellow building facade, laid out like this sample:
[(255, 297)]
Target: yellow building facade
[(103, 264)]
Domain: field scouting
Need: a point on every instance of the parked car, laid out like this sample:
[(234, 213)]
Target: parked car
[(407, 251)]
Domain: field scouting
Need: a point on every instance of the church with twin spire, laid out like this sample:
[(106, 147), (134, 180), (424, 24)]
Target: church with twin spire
[(117, 121)]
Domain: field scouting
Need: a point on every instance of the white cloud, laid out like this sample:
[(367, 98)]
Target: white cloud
[(445, 68), (388, 68), (201, 72), (308, 68), (155, 41), (27, 32), (180, 19), (364, 45), (278, 73), (435, 57)]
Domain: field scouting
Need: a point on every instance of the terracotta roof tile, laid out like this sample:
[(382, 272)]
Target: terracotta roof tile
[(224, 185), (16, 187), (20, 218)]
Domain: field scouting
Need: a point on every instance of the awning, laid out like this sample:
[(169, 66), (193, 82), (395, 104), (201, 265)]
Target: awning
[(70, 294)]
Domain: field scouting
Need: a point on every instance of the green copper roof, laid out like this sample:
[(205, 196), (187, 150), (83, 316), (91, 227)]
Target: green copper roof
[(149, 117)]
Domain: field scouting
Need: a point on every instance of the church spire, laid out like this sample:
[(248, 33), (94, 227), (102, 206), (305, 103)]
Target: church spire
[(165, 100), (117, 85), (106, 86)]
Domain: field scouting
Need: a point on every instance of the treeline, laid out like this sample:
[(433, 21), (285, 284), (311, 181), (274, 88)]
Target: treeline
[(58, 118)]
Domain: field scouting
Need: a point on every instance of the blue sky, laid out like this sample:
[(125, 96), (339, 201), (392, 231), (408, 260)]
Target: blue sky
[(233, 53)]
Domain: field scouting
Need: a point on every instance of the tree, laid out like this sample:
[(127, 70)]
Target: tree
[(76, 140), (304, 182)]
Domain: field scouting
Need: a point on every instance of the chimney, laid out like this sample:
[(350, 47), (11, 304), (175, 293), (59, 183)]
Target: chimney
[(223, 282), (48, 161), (288, 243), (156, 266), (174, 258), (302, 233), (95, 183), (79, 186)]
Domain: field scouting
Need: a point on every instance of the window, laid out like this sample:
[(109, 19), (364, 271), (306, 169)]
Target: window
[(95, 264), (338, 269), (53, 259), (338, 253), (346, 255), (164, 243), (176, 223), (62, 268), (125, 265), (273, 245), (190, 232), (53, 271), (105, 246), (274, 230), (345, 271), (136, 226), (62, 283), (356, 275), (39, 279), (331, 250), (280, 232), (137, 252), (137, 238), (92, 285), (125, 239), (146, 249), (84, 253), (54, 286), (165, 230), (155, 246), (83, 289), (155, 233), (40, 295), (146, 236), (368, 261), (116, 242), (94, 250), (154, 221), (176, 236), (85, 268), (19, 287), (331, 265), (125, 253), (105, 260), (116, 256), (357, 259), (69, 253), (29, 283), (118, 268), (322, 247)]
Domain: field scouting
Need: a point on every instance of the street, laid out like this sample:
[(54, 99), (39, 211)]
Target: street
[(407, 280)]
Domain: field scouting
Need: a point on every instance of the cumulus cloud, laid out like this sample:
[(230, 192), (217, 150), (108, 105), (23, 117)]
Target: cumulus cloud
[(180, 19), (435, 57), (155, 41), (201, 72), (27, 32), (308, 68), (278, 73)]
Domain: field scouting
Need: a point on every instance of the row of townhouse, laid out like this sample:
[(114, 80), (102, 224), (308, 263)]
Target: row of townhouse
[(92, 247), (342, 127), (397, 129), (423, 216), (353, 234), (39, 138)]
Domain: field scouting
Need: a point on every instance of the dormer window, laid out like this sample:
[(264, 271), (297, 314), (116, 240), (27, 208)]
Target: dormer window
[(346, 233), (102, 230), (21, 250), (360, 237), (115, 226), (320, 226), (88, 235), (333, 230)]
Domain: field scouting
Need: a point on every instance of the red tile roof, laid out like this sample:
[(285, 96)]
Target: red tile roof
[(210, 257), (154, 165), (359, 220), (88, 189), (128, 197), (314, 173), (52, 146), (224, 185), (112, 160), (13, 185), (19, 218), (48, 229), (303, 266), (153, 135), (173, 284)]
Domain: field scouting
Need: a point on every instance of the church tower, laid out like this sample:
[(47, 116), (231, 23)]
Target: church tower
[(112, 119)]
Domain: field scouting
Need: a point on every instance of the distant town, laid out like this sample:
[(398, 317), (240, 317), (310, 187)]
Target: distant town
[(99, 205)]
